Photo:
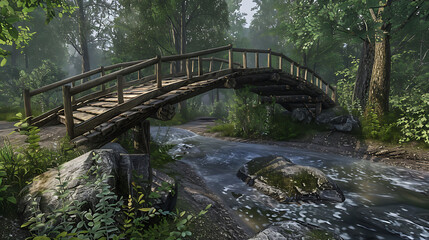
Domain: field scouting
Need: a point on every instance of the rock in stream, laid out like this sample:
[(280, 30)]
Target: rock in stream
[(285, 181)]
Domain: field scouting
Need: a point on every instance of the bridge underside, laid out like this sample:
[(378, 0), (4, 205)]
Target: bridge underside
[(289, 91)]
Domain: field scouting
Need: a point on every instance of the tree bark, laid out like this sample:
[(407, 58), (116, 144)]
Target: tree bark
[(183, 32), (363, 78), (82, 38), (378, 99)]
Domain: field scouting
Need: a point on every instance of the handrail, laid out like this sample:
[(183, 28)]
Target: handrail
[(106, 78), (296, 70)]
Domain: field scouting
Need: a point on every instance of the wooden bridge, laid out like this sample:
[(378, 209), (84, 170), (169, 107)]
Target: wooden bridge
[(120, 96)]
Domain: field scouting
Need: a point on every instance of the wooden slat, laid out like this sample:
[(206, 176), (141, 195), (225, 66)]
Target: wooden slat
[(93, 110), (103, 104), (82, 116), (62, 119)]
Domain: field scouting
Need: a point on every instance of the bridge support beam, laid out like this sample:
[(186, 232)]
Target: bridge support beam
[(142, 137)]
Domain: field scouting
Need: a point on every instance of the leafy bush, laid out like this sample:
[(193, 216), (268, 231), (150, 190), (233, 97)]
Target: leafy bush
[(20, 165), (345, 88), (248, 116), (414, 119), (136, 220)]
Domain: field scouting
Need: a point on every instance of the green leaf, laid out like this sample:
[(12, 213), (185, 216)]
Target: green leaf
[(3, 62), (12, 199), (41, 238)]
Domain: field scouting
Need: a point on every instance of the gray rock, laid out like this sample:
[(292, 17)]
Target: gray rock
[(115, 147), (287, 182), (291, 230), (125, 169), (345, 123), (325, 117), (302, 115)]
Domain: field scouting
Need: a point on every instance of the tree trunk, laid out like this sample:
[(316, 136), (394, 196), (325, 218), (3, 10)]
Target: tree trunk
[(82, 38), (14, 56), (379, 87), (363, 77), (183, 33)]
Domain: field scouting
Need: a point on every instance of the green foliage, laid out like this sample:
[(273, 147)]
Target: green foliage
[(414, 119), (68, 221), (249, 117), (384, 129), (20, 165), (345, 88), (226, 129), (12, 86), (219, 110), (13, 12)]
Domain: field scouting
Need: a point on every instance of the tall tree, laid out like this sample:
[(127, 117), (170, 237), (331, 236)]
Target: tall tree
[(88, 26), (145, 28)]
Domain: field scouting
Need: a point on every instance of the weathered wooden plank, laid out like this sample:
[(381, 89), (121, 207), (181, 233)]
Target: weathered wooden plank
[(92, 110), (62, 119), (82, 116), (103, 104)]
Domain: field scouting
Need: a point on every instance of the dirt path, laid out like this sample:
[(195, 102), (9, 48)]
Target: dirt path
[(407, 156), (49, 135)]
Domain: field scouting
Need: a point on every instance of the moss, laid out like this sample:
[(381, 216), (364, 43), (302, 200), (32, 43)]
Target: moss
[(290, 184), (226, 129), (317, 234)]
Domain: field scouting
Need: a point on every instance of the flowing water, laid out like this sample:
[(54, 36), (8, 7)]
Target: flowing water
[(382, 202)]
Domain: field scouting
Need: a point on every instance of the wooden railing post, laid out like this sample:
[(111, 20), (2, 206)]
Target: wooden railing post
[(297, 71), (291, 68), (211, 64), (327, 89), (269, 58), (244, 60), (312, 78), (280, 63), (200, 66), (188, 68), (171, 68), (231, 58), (305, 74), (68, 110), (334, 94), (120, 85), (27, 102), (256, 60), (158, 73), (103, 86), (193, 65)]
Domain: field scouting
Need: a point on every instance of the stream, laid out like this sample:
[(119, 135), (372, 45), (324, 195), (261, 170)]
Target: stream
[(382, 202)]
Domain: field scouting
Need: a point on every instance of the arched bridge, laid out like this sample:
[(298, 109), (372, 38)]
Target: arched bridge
[(120, 96)]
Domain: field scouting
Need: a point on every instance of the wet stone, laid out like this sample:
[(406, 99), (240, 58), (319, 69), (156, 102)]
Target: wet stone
[(285, 181)]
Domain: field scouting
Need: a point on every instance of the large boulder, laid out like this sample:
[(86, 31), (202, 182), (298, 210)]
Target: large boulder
[(345, 123), (285, 181), (291, 230), (302, 115), (113, 160)]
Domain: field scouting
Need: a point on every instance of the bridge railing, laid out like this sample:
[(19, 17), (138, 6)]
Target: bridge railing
[(187, 64), (295, 68), (28, 94)]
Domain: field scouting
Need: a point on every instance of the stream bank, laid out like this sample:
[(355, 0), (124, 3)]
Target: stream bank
[(408, 156)]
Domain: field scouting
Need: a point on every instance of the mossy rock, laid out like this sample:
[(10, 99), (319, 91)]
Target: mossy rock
[(295, 230), (285, 181)]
